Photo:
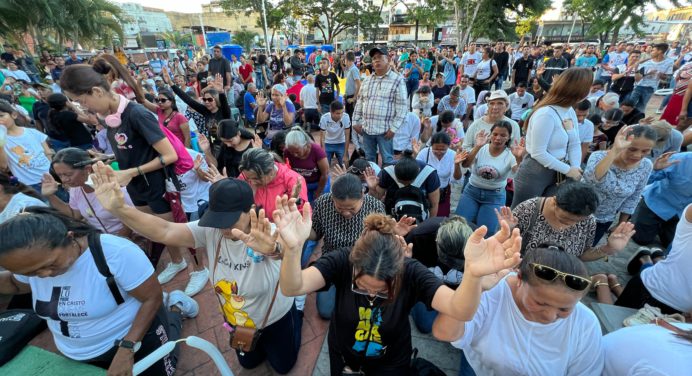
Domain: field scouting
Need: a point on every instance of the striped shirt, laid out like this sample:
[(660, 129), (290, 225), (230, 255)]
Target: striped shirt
[(382, 103)]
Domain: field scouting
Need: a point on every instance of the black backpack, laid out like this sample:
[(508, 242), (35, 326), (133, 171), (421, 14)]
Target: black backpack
[(409, 200), (239, 102)]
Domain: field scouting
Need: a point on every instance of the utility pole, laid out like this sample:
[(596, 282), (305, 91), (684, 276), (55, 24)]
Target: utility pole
[(264, 16), (204, 33)]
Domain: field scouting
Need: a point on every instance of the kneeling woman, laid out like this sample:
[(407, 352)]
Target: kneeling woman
[(377, 286), (531, 322), (109, 322)]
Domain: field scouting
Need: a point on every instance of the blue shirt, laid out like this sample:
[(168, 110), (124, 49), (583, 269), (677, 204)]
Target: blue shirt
[(449, 73), (669, 192), (586, 61), (247, 109), (415, 75)]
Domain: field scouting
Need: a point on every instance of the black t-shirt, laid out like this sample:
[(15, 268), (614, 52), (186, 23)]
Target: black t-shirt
[(633, 117), (202, 79), (439, 92), (220, 66), (132, 145), (73, 129), (229, 159), (523, 70), (502, 60), (40, 111), (383, 328), (326, 85)]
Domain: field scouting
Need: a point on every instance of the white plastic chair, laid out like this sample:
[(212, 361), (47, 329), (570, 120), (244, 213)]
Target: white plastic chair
[(191, 341)]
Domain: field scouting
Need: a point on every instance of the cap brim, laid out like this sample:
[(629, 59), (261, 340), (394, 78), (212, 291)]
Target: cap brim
[(220, 220), (376, 50)]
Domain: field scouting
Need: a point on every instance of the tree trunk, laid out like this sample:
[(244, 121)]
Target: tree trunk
[(416, 35), (467, 33), (614, 39)]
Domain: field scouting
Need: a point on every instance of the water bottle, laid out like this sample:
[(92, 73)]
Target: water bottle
[(194, 143), (3, 136)]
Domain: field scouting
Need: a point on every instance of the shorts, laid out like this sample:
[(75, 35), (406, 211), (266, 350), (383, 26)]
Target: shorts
[(150, 192)]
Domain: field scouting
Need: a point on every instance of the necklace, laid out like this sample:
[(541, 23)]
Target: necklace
[(371, 301)]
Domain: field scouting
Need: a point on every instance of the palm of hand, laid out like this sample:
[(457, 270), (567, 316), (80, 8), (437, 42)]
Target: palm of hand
[(293, 229), (485, 257)]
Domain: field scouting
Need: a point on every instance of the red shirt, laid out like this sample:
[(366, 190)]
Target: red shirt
[(246, 71)]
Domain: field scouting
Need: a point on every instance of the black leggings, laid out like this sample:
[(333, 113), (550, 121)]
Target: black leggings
[(635, 295), (165, 327)]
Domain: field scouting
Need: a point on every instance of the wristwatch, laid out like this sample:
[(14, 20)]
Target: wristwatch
[(132, 346)]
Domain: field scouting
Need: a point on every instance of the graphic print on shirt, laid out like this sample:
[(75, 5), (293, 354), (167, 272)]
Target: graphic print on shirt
[(234, 303), (121, 140), (368, 332), (59, 306), (487, 172)]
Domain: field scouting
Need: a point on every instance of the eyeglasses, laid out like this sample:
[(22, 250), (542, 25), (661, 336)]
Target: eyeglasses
[(208, 100), (360, 291), (546, 273), (161, 100)]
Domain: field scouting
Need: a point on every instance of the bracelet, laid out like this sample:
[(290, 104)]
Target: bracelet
[(139, 171)]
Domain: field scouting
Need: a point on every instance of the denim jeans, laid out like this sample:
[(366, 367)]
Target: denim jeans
[(601, 229), (335, 149), (648, 225), (641, 95), (423, 318), (666, 99), (325, 302), (478, 205), (499, 81), (411, 86), (312, 187), (373, 142)]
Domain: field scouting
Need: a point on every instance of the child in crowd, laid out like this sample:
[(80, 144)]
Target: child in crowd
[(423, 102), (335, 136)]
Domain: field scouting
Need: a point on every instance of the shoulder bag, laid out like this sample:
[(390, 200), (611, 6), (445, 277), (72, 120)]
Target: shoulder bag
[(243, 339)]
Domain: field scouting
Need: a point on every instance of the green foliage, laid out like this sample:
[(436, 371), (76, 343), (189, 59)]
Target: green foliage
[(245, 39), (492, 22), (333, 17), (88, 22), (178, 39)]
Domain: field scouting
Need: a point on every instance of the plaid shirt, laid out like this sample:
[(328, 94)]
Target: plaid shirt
[(382, 103)]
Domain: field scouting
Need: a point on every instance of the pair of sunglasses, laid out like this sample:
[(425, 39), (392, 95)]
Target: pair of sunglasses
[(161, 100), (546, 273), (208, 99)]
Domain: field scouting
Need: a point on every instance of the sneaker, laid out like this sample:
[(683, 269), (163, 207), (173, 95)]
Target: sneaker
[(171, 270), (197, 282), (188, 306), (643, 316)]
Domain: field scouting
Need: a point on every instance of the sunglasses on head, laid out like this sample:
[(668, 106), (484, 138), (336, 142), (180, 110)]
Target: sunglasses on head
[(209, 100), (355, 170), (161, 100), (546, 273)]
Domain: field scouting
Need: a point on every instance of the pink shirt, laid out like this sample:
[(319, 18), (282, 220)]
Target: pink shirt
[(308, 167), (173, 124), (78, 201), (265, 197)]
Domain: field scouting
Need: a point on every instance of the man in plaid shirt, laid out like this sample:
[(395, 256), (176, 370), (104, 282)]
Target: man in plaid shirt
[(380, 108)]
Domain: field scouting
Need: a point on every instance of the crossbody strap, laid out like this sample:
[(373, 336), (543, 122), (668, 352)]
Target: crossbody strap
[(213, 274), (94, 212), (96, 250)]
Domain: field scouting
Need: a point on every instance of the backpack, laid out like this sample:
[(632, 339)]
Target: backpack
[(408, 200), (239, 102)]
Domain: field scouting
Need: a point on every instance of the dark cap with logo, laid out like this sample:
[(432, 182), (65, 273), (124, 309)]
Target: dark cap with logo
[(228, 199)]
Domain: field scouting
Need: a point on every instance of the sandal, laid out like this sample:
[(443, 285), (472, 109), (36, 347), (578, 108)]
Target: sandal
[(596, 284), (657, 253), (634, 265)]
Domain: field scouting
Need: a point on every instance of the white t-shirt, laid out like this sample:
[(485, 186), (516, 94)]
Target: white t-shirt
[(518, 105), (80, 200), (308, 94), (669, 280), (26, 157), (335, 131), (247, 286), (468, 95), (646, 350), (614, 59), (586, 131), (17, 204), (409, 129), (444, 166), (484, 69), (480, 124), (500, 341), (81, 298), (192, 188), (490, 172), (652, 69), (470, 62)]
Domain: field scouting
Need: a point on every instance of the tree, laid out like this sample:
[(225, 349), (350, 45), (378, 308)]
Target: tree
[(426, 13), (488, 24), (611, 16), (177, 39), (274, 16), (245, 39), (331, 17)]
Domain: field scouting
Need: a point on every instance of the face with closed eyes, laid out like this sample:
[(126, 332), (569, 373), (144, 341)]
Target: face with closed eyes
[(544, 303)]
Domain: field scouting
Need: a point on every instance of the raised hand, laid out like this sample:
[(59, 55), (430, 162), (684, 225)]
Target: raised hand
[(107, 188), (198, 162), (257, 142), (405, 225), (295, 193), (519, 148), (260, 237), (218, 83), (371, 178), (203, 143), (618, 238), (663, 161), (490, 256), (481, 138), (505, 214), (460, 156), (213, 175), (261, 99), (48, 185), (623, 139), (338, 170), (415, 146), (293, 226)]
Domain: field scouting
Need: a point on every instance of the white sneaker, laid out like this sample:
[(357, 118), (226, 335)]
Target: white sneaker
[(171, 270), (643, 316), (188, 306), (197, 282)]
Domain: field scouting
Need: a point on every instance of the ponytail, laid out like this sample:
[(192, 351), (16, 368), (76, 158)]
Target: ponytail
[(11, 186)]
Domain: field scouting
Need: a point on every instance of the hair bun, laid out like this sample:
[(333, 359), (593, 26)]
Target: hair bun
[(101, 66), (381, 223)]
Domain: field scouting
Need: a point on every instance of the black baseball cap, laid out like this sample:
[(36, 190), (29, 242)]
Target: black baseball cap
[(228, 199), (378, 50)]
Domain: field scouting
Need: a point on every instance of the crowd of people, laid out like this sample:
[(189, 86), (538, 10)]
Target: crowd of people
[(467, 189)]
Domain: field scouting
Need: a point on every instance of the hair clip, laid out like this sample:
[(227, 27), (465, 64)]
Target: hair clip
[(14, 181)]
